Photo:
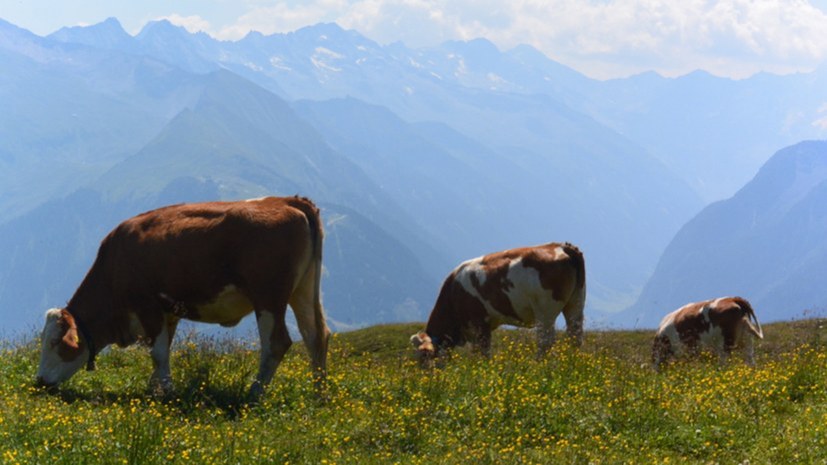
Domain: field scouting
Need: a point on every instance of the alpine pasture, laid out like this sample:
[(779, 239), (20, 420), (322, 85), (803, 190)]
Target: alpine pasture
[(601, 404)]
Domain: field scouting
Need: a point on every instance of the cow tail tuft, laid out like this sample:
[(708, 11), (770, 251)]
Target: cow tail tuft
[(751, 318)]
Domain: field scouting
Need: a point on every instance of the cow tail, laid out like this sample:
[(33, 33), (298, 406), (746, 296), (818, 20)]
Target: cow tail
[(578, 262), (317, 236), (751, 318), (311, 212), (573, 309)]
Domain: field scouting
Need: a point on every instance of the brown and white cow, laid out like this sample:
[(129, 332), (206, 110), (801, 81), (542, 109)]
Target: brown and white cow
[(721, 324), (212, 262), (525, 287)]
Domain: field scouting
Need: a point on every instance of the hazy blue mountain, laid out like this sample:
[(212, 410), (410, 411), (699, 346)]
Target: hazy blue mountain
[(73, 111), (236, 141), (534, 169), (108, 35), (175, 45), (564, 178), (716, 132), (250, 143), (768, 243), (455, 193), (440, 153), (712, 131)]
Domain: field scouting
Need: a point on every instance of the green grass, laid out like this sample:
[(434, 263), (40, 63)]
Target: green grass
[(601, 404)]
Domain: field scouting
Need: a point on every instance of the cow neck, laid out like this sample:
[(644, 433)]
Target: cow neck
[(442, 328), (87, 338)]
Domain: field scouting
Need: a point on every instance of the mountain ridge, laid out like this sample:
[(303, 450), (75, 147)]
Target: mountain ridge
[(767, 243)]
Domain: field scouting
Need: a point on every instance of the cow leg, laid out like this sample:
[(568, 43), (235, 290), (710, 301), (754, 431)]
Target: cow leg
[(573, 313), (749, 351), (730, 341), (161, 380), (661, 350), (744, 339), (484, 339), (307, 307), (275, 341), (546, 336)]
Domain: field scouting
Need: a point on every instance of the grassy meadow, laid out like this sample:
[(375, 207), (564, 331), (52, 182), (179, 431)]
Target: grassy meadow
[(601, 404)]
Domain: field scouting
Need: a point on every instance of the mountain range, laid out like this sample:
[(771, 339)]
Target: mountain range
[(768, 243), (419, 158)]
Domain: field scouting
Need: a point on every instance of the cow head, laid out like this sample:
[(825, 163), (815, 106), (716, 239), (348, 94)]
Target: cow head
[(62, 353), (424, 345)]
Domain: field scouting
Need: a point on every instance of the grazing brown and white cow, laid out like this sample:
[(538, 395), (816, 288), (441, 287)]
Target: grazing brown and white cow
[(721, 324), (522, 287), (212, 262)]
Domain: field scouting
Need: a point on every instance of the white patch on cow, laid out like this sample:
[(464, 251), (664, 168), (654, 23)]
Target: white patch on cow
[(704, 313), (474, 268), (469, 267), (528, 294), (257, 199), (229, 306), (266, 323), (559, 253), (52, 368), (667, 329), (160, 359), (667, 321), (266, 328)]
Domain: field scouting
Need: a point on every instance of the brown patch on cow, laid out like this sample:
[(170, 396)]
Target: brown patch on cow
[(472, 311), (690, 324), (728, 315), (557, 274), (454, 313)]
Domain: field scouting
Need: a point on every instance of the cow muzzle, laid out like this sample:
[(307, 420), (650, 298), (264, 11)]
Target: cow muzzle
[(41, 382)]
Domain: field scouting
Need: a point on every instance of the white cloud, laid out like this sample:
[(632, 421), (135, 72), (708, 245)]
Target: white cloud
[(600, 37)]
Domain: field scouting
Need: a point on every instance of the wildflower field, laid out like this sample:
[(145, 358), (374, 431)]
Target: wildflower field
[(600, 404)]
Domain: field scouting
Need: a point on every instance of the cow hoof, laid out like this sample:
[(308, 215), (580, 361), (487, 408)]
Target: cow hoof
[(256, 391), (161, 388)]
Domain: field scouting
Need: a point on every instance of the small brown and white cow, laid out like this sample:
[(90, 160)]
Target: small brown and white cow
[(525, 287), (721, 324), (212, 262)]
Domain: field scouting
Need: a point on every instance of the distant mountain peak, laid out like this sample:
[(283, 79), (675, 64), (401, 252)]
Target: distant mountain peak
[(253, 35), (108, 34), (9, 31), (477, 45), (322, 28), (161, 27), (767, 243)]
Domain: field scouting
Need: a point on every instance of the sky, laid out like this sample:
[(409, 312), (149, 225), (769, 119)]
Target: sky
[(600, 38)]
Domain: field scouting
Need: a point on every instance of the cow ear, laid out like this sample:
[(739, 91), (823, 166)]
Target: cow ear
[(71, 339), (69, 330)]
